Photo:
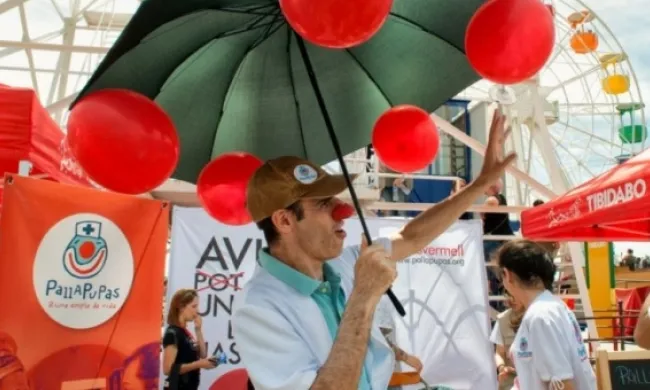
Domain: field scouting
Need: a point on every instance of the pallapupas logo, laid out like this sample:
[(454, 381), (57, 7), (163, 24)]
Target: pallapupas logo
[(83, 271), (87, 252)]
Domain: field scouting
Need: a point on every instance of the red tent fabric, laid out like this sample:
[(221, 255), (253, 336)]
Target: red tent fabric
[(614, 206), (27, 132), (632, 302)]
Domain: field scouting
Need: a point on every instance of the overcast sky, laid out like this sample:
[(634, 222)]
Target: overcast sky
[(629, 20)]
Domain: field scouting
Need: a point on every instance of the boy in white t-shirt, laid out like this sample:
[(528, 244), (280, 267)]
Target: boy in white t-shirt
[(548, 350)]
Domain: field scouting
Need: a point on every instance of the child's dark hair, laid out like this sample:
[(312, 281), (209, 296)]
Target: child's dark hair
[(529, 261)]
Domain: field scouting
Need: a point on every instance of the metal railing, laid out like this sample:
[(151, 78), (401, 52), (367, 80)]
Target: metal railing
[(618, 324), (626, 282)]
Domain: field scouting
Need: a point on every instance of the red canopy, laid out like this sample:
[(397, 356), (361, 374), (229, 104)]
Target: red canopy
[(27, 132), (614, 206)]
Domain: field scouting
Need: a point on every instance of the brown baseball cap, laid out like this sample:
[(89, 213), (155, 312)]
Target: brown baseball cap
[(281, 182)]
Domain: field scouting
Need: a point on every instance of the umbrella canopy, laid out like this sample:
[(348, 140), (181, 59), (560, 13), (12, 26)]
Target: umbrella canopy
[(614, 206), (231, 75)]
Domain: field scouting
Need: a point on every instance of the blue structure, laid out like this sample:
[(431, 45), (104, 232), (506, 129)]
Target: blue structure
[(433, 191)]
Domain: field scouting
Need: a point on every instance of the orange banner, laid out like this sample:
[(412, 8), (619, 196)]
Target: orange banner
[(81, 285)]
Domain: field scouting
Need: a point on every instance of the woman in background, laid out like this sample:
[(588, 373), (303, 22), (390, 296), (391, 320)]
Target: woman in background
[(503, 334), (548, 350), (183, 355)]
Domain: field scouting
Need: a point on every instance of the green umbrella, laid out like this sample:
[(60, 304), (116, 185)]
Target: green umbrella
[(231, 75), (234, 76)]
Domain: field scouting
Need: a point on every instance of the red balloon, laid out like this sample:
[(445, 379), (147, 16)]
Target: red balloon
[(123, 141), (222, 187), (336, 24), (236, 379), (509, 41), (405, 139)]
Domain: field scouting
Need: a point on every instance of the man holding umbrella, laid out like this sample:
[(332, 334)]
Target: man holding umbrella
[(305, 319)]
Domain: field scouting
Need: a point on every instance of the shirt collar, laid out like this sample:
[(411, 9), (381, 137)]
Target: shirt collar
[(301, 282)]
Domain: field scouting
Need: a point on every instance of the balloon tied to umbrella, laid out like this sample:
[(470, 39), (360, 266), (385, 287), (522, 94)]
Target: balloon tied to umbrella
[(150, 121)]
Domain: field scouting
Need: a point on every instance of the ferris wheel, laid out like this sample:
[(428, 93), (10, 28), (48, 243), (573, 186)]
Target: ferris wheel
[(580, 116)]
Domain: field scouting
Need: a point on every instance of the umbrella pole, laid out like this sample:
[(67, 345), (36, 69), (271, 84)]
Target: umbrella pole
[(339, 157)]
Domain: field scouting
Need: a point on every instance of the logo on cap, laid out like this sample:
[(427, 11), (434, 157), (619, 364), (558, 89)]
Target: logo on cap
[(305, 174)]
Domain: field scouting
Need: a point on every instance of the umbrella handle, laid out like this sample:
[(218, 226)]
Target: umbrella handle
[(339, 157)]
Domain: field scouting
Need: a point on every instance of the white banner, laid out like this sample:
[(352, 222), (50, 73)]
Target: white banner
[(443, 289), (445, 294), (216, 260)]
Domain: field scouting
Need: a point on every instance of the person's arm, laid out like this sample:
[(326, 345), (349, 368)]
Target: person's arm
[(428, 225), (342, 370), (421, 230), (277, 358), (169, 356), (411, 360), (170, 350), (499, 356), (497, 339), (642, 329), (400, 354), (503, 370), (200, 340)]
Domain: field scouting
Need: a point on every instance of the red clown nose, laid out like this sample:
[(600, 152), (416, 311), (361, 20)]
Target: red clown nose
[(342, 211)]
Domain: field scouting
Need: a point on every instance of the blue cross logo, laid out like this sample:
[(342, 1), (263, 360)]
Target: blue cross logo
[(88, 229)]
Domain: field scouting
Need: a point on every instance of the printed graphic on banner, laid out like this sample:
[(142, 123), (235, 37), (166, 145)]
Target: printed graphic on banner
[(438, 255), (83, 271), (444, 291), (223, 258), (81, 293), (218, 275)]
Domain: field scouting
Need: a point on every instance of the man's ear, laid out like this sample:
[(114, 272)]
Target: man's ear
[(283, 220), (506, 275)]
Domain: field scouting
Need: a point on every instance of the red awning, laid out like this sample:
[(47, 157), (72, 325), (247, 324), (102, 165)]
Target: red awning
[(614, 206), (27, 132)]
